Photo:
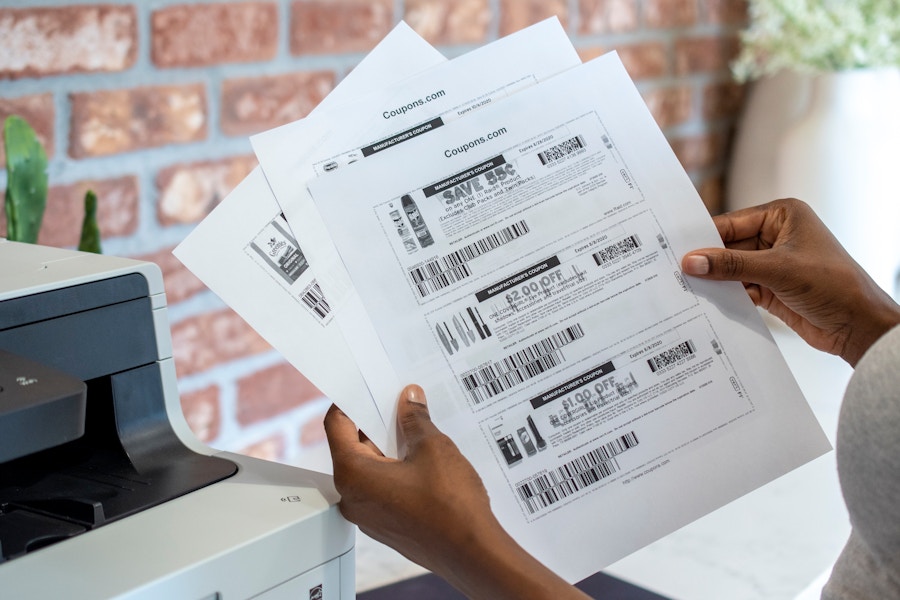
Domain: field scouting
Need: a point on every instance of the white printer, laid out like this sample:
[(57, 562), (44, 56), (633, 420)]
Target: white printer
[(104, 491)]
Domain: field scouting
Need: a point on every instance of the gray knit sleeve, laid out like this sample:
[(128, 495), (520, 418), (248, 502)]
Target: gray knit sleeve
[(868, 459)]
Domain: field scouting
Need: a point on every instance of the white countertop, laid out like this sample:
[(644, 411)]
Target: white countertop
[(777, 542)]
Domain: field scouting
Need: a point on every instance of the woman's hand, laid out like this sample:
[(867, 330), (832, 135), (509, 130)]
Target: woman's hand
[(432, 507), (793, 266)]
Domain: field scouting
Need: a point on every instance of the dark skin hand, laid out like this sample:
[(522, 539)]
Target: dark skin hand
[(432, 507), (792, 266)]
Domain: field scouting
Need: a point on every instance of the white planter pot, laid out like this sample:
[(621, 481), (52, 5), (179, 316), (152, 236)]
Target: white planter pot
[(843, 158), (773, 104)]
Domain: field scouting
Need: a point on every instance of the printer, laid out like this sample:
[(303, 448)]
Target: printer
[(104, 490)]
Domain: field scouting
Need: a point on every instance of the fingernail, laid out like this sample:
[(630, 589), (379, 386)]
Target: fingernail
[(414, 393), (696, 264)]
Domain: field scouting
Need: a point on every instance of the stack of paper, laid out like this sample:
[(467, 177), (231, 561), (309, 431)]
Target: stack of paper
[(506, 229)]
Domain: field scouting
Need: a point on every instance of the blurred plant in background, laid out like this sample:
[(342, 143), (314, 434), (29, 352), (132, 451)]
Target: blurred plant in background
[(819, 36)]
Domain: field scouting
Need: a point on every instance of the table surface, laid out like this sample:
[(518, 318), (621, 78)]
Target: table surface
[(778, 542)]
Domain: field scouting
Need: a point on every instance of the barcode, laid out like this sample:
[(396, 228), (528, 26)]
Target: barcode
[(617, 250), (486, 382), (435, 275), (486, 244), (315, 300), (672, 355), (548, 488), (561, 150), (432, 277)]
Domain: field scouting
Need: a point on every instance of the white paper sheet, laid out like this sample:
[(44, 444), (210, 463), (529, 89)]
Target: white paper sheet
[(605, 399), (378, 124), (245, 252)]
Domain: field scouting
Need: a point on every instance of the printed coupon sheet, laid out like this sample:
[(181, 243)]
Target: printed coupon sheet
[(522, 264), (247, 254), (383, 120), (377, 124)]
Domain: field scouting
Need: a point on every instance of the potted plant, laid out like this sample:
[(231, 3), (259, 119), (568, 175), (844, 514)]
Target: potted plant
[(26, 188), (829, 73), (819, 36)]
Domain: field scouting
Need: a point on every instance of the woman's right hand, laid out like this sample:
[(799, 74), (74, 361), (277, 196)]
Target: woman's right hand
[(432, 507), (793, 266)]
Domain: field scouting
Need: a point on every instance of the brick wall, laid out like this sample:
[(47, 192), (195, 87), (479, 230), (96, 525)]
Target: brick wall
[(150, 104)]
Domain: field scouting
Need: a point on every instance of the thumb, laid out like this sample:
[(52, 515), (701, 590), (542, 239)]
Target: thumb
[(413, 418), (721, 264)]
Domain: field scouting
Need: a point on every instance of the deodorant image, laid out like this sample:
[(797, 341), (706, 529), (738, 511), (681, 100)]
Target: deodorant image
[(408, 242), (415, 219)]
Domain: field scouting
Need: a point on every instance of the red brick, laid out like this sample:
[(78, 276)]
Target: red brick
[(670, 14), (255, 104), (67, 39), (336, 26), (642, 61), (114, 121), (313, 432), (444, 22), (591, 52), (38, 111), (645, 61), (191, 35), (180, 283), (705, 55), (669, 106), (701, 151), (212, 339), (187, 193), (608, 16), (272, 392), (202, 412), (271, 449), (726, 12), (117, 210), (518, 14), (723, 100)]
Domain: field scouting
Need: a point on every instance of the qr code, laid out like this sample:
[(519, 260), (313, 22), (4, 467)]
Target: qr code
[(620, 249), (673, 356), (560, 151)]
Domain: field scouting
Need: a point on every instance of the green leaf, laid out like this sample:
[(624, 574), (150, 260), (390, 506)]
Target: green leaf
[(26, 187), (90, 231)]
